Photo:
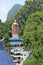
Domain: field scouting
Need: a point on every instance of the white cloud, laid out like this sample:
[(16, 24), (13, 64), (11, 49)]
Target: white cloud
[(3, 12)]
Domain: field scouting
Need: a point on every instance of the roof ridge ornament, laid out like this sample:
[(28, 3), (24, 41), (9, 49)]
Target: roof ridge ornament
[(2, 39)]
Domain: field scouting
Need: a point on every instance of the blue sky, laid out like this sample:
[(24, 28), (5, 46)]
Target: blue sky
[(6, 5)]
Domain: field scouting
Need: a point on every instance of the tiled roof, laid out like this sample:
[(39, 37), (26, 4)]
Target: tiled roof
[(4, 56), (14, 39)]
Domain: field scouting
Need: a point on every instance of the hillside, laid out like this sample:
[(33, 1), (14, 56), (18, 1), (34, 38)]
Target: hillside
[(13, 11), (33, 38), (30, 19)]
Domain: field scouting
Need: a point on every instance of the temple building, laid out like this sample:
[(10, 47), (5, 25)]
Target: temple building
[(17, 47), (15, 40)]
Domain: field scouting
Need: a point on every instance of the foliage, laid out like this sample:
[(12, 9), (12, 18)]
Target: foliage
[(33, 38)]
